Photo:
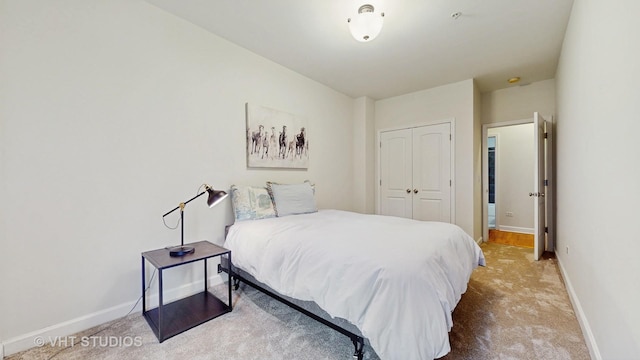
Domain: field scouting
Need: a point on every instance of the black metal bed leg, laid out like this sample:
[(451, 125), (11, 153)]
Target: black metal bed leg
[(236, 283), (358, 344)]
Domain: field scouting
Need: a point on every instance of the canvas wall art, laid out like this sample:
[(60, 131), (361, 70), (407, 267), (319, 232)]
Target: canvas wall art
[(276, 139)]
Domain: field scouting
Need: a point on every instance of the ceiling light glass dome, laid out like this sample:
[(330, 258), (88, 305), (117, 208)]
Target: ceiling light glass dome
[(366, 25)]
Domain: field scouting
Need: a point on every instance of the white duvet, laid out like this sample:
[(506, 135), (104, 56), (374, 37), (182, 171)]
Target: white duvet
[(398, 280)]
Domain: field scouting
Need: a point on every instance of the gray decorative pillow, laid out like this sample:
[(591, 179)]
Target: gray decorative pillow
[(291, 199), (251, 203), (270, 183)]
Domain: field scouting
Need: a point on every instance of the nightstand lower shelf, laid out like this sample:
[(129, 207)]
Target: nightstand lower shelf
[(184, 314)]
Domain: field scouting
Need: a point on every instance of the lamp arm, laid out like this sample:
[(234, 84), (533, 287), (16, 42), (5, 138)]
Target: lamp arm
[(181, 207), (184, 203)]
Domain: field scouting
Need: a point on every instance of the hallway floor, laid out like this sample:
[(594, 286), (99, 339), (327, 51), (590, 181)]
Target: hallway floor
[(511, 238)]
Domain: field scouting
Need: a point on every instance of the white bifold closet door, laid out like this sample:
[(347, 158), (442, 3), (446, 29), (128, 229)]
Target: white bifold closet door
[(415, 173)]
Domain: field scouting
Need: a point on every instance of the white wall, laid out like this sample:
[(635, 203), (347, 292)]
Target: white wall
[(112, 112), (519, 102), (514, 176), (364, 138), (477, 163), (453, 101), (598, 172)]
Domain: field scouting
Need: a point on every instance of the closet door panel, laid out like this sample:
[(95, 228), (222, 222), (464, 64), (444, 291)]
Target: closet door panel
[(432, 173), (395, 173)]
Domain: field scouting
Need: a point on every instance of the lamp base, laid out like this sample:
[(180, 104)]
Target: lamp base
[(181, 250)]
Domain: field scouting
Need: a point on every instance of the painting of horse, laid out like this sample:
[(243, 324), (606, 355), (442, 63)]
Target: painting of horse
[(300, 143), (276, 139), (256, 139)]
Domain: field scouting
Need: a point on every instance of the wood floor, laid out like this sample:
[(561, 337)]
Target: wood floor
[(511, 238)]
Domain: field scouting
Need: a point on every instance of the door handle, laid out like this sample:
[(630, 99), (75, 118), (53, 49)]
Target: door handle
[(538, 194), (408, 191), (415, 191)]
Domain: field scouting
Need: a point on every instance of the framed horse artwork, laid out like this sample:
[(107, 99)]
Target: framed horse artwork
[(276, 139)]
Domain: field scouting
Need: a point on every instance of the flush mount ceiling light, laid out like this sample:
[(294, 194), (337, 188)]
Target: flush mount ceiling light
[(366, 25)]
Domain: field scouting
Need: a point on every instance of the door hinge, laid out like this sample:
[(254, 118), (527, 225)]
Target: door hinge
[(449, 137), (381, 144), (546, 229), (545, 135), (546, 182), (449, 183), (380, 182)]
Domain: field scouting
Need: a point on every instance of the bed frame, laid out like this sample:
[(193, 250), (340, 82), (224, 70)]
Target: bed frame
[(308, 308)]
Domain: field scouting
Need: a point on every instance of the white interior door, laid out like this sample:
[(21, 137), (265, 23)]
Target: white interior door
[(395, 173), (549, 194), (432, 173), (538, 186)]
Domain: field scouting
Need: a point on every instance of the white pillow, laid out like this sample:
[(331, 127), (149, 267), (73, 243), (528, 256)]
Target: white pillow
[(293, 198)]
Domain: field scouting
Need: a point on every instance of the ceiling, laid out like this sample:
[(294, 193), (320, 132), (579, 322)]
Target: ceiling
[(420, 46)]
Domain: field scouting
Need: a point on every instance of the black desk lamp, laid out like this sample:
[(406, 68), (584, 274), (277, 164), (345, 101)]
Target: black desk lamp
[(215, 196)]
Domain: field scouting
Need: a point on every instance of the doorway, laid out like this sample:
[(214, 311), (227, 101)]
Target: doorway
[(491, 163), (508, 152), (542, 189)]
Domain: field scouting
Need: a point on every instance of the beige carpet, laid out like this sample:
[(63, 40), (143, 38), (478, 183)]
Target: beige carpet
[(515, 308)]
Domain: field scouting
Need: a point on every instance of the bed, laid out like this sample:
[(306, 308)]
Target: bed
[(389, 281)]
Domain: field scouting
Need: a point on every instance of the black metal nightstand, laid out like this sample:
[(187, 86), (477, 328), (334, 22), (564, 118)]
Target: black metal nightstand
[(168, 320)]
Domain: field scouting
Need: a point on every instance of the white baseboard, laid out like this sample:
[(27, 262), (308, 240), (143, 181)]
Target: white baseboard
[(516, 229), (479, 240), (582, 319), (73, 326)]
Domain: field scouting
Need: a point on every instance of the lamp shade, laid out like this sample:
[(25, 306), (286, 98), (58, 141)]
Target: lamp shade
[(215, 196), (367, 24)]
